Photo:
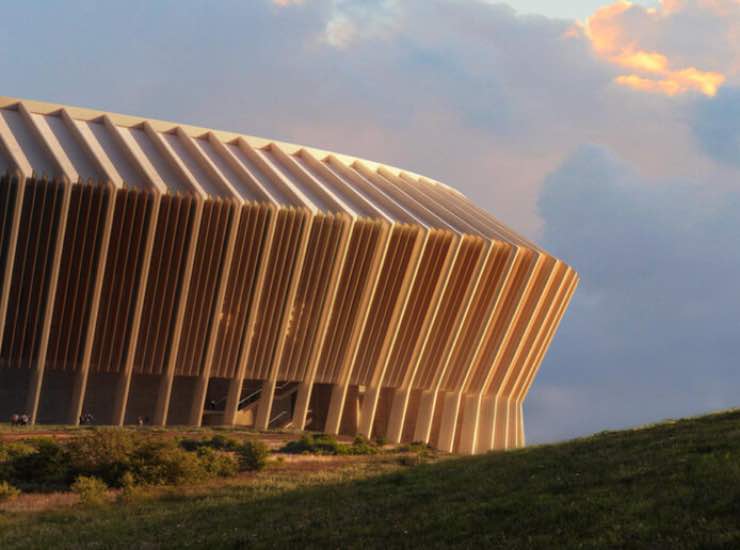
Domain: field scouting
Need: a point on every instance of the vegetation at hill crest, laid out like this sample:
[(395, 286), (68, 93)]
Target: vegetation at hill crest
[(670, 485)]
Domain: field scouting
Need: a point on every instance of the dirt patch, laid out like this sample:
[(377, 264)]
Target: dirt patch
[(32, 434), (315, 463), (39, 502)]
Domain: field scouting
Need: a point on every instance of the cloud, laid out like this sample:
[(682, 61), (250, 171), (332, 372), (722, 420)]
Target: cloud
[(653, 328), (650, 44), (470, 93), (675, 83), (716, 126), (353, 20)]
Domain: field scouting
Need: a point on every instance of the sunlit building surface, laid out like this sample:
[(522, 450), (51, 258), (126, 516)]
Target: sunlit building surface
[(168, 274)]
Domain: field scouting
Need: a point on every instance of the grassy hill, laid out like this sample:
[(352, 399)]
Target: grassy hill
[(671, 485)]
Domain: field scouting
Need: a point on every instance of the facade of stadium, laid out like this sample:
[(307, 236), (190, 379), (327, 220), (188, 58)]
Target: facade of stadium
[(181, 275)]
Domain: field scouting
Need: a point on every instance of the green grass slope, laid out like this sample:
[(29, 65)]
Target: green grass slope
[(672, 485)]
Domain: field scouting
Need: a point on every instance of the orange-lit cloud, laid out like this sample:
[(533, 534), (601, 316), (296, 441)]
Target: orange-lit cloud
[(613, 39), (666, 86), (643, 61)]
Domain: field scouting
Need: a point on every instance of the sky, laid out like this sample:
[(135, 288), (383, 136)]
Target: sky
[(565, 9), (608, 132)]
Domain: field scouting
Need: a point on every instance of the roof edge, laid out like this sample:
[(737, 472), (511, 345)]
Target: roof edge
[(83, 113)]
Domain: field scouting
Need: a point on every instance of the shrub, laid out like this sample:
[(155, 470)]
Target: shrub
[(117, 457), (192, 445), (218, 463), (92, 491), (49, 465), (105, 454), (419, 451), (218, 442), (253, 455), (7, 491), (415, 447), (322, 444), (362, 446), (9, 453), (130, 490), (223, 443), (111, 454), (164, 463), (325, 444)]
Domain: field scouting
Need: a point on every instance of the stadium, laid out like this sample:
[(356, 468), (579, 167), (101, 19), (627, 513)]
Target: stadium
[(159, 273)]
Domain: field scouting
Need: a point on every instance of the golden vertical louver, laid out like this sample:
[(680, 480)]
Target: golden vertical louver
[(168, 274)]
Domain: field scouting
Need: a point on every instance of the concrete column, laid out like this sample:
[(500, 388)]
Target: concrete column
[(235, 385), (163, 399), (37, 374), (303, 399), (367, 413), (521, 439), (264, 407), (232, 400), (199, 401), (201, 388), (485, 424), (499, 424), (398, 415), (168, 376), (450, 409), (124, 381), (512, 424), (471, 406), (425, 416), (80, 383), (336, 408)]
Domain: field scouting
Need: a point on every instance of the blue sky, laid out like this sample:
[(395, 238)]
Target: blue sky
[(569, 9), (611, 140)]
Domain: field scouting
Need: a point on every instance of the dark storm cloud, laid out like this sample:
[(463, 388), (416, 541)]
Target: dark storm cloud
[(653, 329), (716, 125)]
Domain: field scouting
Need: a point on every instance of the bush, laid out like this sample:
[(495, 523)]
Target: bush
[(164, 463), (325, 444), (105, 454), (223, 443), (7, 491), (117, 457), (92, 491), (321, 444), (253, 455), (218, 463), (415, 447), (9, 453), (130, 490), (217, 442), (362, 446), (48, 466), (419, 451)]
